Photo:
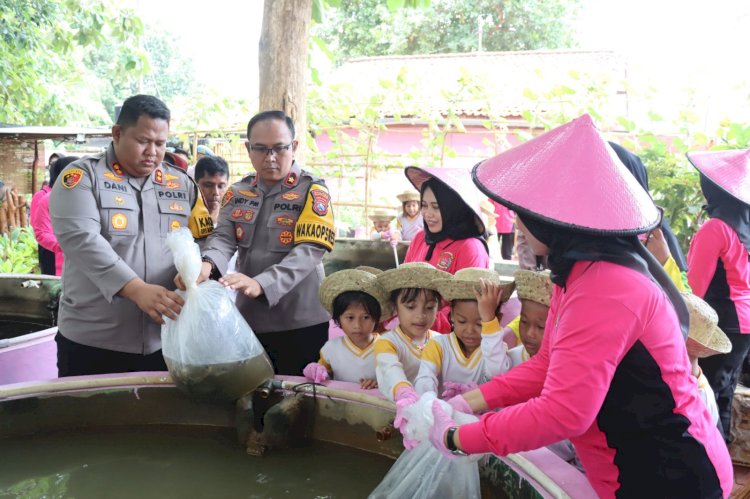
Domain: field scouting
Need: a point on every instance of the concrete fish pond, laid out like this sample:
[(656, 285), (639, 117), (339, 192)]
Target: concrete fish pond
[(28, 306), (136, 435)]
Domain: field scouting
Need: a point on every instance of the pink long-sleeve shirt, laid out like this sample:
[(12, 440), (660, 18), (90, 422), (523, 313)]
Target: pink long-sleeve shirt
[(505, 218), (717, 242), (42, 225), (451, 256), (613, 376)]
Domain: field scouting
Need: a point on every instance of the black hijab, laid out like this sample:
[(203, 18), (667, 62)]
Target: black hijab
[(568, 247), (634, 164), (459, 221), (727, 208)]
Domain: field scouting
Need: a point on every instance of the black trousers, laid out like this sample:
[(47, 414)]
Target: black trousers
[(290, 351), (74, 359), (722, 372), (46, 261), (507, 242)]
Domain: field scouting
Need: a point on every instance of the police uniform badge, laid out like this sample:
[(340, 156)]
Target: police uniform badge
[(291, 179), (227, 197), (239, 232), (119, 221), (290, 196), (158, 176), (250, 194), (286, 237), (112, 176), (118, 170), (237, 213), (445, 260), (71, 177), (320, 201), (174, 225), (249, 214)]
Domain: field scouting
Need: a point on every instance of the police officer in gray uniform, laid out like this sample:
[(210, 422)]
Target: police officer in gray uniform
[(280, 221), (111, 213)]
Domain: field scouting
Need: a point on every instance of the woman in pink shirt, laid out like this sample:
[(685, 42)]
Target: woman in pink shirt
[(719, 271), (453, 235), (40, 219), (613, 374)]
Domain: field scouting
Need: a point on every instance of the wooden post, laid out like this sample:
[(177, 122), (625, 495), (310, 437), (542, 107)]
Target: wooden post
[(282, 61)]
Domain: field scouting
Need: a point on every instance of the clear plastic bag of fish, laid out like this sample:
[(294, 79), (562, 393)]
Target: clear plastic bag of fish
[(423, 472), (210, 350)]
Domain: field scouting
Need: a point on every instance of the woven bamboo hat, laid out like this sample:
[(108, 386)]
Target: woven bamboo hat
[(352, 280), (465, 283), (730, 170), (533, 285), (409, 195), (381, 215), (368, 269), (411, 275), (704, 337)]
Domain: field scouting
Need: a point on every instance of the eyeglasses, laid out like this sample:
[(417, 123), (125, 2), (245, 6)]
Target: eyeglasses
[(265, 151)]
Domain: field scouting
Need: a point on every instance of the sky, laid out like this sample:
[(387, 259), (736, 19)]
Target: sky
[(671, 46)]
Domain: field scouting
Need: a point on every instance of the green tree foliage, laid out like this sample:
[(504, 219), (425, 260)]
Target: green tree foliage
[(42, 43), (370, 27)]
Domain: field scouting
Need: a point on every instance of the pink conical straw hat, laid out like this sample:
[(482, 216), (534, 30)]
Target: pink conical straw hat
[(571, 177), (456, 179), (730, 170)]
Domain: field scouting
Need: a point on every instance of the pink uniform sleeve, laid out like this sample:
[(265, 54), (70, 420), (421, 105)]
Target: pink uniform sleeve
[(705, 249), (582, 355), (42, 224)]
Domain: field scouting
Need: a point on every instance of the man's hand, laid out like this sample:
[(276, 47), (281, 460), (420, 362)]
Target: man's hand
[(488, 299), (154, 300), (203, 276), (242, 284)]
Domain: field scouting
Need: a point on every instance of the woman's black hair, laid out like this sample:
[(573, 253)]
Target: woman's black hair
[(347, 298), (410, 294), (58, 166)]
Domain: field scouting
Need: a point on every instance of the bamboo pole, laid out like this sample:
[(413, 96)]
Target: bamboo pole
[(22, 207), (3, 217)]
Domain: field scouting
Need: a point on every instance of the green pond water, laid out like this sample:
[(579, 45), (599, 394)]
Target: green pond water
[(159, 462)]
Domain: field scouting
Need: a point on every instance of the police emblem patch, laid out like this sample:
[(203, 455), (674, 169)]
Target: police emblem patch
[(112, 176), (445, 260), (249, 214), (286, 237), (239, 232), (284, 221), (119, 221), (291, 179), (237, 213), (71, 177), (290, 196), (227, 197), (320, 201)]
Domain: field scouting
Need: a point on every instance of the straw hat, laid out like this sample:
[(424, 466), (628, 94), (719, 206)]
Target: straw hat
[(411, 275), (369, 270), (704, 337), (465, 283), (730, 170), (408, 196), (533, 285), (456, 179), (352, 280), (380, 214), (570, 177)]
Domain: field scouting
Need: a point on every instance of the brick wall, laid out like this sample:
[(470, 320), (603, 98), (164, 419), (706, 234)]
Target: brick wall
[(16, 160)]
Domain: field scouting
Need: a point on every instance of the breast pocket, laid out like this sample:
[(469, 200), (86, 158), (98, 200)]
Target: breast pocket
[(173, 214), (281, 232), (119, 214)]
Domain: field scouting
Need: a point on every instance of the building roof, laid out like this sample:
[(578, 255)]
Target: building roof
[(511, 81), (78, 134)]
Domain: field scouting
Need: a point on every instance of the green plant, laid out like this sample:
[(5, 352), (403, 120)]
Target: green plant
[(18, 252)]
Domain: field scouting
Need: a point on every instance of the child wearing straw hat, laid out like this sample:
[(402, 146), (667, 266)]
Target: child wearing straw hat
[(704, 340), (534, 290), (381, 226), (415, 299), (356, 302), (410, 219), (475, 351)]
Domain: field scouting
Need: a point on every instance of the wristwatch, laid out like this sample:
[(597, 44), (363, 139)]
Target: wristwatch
[(450, 444), (214, 270)]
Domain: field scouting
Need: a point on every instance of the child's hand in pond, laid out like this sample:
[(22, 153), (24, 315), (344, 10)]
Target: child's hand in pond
[(488, 299), (317, 373), (368, 384)]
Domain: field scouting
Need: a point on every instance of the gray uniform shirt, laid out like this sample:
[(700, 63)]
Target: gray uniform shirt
[(112, 228), (258, 223)]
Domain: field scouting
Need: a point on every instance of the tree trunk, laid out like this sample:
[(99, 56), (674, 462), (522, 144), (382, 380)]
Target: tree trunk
[(282, 57)]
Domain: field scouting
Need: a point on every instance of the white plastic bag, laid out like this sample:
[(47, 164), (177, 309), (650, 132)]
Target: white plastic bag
[(210, 350), (423, 472)]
